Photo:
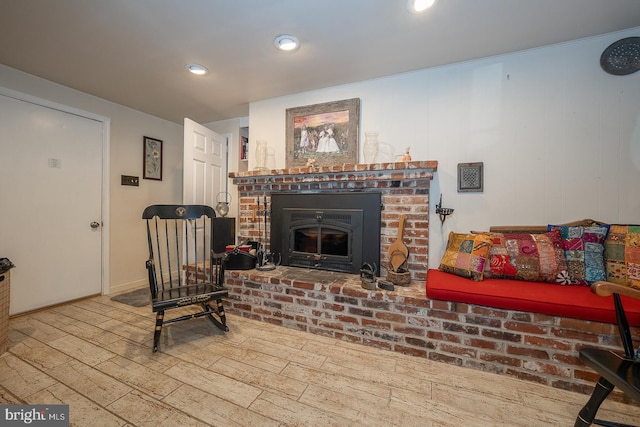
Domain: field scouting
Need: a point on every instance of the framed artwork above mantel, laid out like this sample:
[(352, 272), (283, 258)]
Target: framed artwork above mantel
[(326, 133)]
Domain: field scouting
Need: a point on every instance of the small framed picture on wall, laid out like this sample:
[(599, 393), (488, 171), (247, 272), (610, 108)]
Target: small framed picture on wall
[(471, 177), (152, 159)]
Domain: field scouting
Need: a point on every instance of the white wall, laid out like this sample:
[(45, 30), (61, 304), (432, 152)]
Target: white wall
[(128, 250), (559, 138)]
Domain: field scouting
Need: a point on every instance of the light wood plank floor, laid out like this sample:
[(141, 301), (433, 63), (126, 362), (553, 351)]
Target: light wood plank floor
[(95, 355)]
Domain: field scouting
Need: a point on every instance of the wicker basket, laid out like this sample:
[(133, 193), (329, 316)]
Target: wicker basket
[(399, 279), (4, 311)]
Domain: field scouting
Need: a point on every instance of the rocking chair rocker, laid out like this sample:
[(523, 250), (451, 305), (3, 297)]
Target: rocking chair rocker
[(183, 269), (615, 370)]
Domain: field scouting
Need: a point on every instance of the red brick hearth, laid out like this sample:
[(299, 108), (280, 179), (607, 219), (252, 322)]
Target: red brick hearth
[(404, 187), (532, 347)]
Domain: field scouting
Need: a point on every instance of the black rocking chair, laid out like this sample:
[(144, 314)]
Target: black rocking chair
[(183, 269), (615, 370)]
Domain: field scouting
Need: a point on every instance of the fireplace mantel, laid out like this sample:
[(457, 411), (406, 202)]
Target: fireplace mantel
[(305, 173), (404, 187)]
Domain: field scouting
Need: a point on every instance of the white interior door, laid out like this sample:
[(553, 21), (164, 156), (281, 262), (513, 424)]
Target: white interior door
[(205, 169), (51, 175)]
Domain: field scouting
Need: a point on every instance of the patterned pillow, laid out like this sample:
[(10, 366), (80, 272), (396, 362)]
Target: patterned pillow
[(622, 255), (466, 255), (532, 257), (584, 252)]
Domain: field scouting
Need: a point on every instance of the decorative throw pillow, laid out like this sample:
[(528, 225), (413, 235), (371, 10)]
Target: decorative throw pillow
[(466, 255), (584, 252), (532, 257), (622, 255)]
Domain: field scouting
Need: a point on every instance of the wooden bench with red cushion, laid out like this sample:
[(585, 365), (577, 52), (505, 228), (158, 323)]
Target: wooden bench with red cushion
[(573, 301), (576, 302)]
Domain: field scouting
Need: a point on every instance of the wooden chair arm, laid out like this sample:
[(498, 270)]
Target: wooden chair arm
[(605, 289)]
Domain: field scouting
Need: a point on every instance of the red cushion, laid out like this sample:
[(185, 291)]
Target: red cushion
[(536, 297)]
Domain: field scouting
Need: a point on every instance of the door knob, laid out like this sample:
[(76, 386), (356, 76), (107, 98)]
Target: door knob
[(95, 224)]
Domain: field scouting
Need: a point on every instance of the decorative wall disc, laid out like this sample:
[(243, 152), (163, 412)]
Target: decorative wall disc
[(622, 57)]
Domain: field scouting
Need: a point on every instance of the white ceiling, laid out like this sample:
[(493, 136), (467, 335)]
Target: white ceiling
[(133, 52)]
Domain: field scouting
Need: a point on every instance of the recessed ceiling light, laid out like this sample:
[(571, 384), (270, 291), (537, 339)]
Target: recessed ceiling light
[(419, 6), (286, 42), (198, 69)]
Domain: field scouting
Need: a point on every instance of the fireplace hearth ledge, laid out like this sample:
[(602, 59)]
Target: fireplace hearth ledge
[(332, 281), (333, 304)]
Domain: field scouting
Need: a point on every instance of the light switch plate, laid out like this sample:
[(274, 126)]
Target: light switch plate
[(130, 180)]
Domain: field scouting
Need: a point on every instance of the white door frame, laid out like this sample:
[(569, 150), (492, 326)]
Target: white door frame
[(106, 126)]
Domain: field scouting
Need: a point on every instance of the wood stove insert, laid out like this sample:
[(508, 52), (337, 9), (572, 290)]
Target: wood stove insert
[(337, 231)]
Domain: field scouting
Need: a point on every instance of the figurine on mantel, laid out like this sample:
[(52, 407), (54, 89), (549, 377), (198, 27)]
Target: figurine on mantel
[(311, 162), (407, 156)]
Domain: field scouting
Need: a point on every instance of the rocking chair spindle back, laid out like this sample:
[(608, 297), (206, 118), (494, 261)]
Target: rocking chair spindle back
[(183, 269)]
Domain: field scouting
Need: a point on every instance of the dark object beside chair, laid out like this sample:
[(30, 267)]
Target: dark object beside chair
[(183, 268), (615, 370)]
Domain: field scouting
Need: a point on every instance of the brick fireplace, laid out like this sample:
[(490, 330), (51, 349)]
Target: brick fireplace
[(404, 187), (532, 347)]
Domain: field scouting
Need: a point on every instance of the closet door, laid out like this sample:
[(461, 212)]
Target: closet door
[(51, 203)]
